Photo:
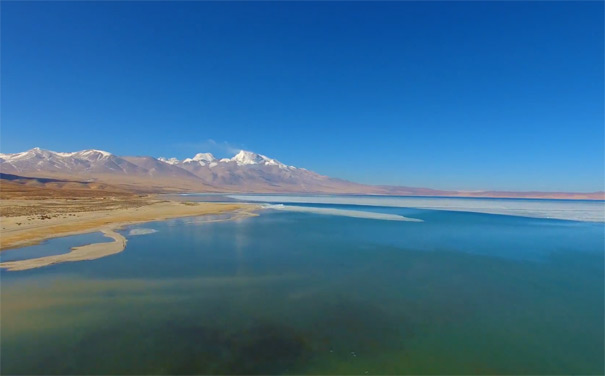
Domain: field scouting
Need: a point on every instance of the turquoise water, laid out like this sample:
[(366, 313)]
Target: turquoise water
[(303, 293)]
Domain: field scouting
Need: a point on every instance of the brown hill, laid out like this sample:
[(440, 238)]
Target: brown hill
[(20, 187)]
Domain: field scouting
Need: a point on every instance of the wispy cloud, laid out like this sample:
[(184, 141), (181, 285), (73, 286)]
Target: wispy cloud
[(220, 148)]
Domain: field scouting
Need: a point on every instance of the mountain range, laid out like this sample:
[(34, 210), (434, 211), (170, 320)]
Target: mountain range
[(244, 172)]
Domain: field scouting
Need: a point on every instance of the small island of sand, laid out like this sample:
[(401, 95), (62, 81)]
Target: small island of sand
[(85, 252)]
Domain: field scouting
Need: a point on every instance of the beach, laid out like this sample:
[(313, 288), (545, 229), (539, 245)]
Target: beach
[(28, 222)]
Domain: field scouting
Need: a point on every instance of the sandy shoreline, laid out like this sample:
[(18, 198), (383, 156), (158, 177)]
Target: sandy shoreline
[(20, 231)]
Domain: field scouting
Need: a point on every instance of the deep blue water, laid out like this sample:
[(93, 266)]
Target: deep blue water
[(288, 292)]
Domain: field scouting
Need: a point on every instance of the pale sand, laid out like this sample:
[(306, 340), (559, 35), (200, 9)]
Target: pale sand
[(85, 252), (26, 230)]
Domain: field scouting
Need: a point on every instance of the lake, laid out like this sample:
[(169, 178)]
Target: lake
[(310, 287)]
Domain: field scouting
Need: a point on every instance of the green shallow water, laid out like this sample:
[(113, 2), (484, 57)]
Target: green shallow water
[(459, 293)]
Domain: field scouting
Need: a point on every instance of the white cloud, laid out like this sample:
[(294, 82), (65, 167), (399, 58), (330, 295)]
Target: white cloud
[(221, 148)]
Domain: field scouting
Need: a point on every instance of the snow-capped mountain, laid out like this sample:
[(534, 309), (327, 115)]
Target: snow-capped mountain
[(200, 158), (252, 171), (243, 158), (171, 161), (246, 171), (46, 161), (249, 158)]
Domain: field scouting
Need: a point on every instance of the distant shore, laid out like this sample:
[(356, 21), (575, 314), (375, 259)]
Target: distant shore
[(65, 218)]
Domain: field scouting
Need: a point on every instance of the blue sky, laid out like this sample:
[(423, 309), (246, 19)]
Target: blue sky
[(460, 95)]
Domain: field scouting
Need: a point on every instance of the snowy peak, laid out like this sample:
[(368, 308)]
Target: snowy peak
[(171, 161), (40, 160), (207, 157), (32, 153), (246, 171), (245, 166), (248, 158), (244, 158), (204, 157), (94, 152), (91, 154), (201, 158)]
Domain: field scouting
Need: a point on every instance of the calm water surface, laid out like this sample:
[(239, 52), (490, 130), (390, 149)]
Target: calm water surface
[(289, 292), (56, 246)]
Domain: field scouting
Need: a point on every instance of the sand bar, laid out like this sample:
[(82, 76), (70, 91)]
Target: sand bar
[(85, 252)]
